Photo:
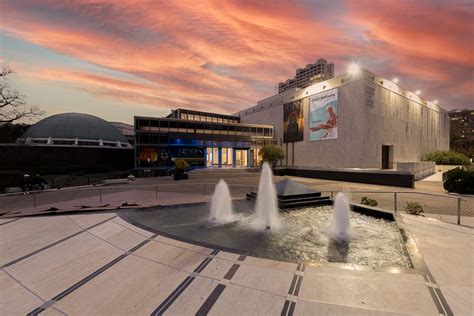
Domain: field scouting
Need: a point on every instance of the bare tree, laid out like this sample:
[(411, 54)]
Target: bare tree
[(12, 103)]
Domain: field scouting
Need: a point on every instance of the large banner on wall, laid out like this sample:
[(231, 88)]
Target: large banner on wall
[(293, 121), (323, 115)]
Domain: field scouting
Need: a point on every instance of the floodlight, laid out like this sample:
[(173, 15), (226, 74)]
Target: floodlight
[(418, 92), (395, 80), (435, 101), (353, 69)]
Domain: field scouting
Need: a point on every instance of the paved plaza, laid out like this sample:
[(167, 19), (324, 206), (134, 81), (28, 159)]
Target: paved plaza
[(92, 262)]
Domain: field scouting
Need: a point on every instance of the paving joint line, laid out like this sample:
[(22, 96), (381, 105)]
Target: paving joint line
[(289, 306), (91, 276), (216, 293), (168, 301), (57, 242), (14, 220)]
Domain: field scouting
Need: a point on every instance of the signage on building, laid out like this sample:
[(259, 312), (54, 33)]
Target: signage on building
[(323, 115), (293, 121)]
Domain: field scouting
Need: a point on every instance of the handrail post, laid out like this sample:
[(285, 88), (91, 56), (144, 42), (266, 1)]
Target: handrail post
[(395, 201), (459, 211), (332, 195), (156, 192), (100, 195), (34, 199), (204, 193)]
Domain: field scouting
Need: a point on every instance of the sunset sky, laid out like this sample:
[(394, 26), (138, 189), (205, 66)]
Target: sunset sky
[(116, 59)]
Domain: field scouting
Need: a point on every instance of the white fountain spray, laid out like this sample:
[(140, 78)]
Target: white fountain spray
[(341, 218), (221, 207), (266, 208)]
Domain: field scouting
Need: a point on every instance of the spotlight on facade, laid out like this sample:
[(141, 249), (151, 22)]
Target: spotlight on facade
[(353, 69), (395, 80), (435, 101), (418, 92)]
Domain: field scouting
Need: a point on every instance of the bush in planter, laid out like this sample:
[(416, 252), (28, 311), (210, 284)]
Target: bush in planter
[(447, 158), (368, 201), (459, 180), (272, 154), (181, 165), (414, 208)]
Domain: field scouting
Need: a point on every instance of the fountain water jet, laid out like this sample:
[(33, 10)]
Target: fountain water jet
[(341, 218), (266, 207), (221, 207)]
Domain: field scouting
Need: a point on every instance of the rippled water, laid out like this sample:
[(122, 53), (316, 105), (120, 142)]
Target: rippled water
[(304, 236)]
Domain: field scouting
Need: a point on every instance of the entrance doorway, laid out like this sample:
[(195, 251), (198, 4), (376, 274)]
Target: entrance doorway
[(387, 157), (241, 158), (212, 156)]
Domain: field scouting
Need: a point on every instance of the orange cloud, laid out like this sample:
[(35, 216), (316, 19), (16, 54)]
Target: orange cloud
[(227, 54)]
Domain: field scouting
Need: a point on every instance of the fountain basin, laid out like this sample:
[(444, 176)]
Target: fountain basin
[(304, 236)]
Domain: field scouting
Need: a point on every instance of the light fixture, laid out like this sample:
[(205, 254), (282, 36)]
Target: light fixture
[(395, 80), (418, 92), (353, 69), (435, 101)]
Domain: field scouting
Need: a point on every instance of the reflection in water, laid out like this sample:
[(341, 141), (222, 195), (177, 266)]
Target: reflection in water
[(338, 250)]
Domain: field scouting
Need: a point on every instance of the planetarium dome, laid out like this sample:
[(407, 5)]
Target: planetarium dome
[(73, 129)]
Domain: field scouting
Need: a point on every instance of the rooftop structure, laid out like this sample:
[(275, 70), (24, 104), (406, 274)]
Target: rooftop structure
[(312, 73), (73, 129)]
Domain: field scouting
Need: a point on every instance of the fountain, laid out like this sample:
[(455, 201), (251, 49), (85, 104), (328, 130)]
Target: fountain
[(221, 207), (341, 218), (266, 207)]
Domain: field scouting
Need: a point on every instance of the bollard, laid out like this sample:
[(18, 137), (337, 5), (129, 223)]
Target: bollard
[(459, 211), (395, 201)]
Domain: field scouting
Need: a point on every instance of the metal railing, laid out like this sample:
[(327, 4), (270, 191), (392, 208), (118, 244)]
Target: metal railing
[(150, 193)]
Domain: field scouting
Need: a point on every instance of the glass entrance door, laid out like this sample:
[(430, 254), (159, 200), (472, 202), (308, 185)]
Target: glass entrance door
[(212, 156), (241, 158)]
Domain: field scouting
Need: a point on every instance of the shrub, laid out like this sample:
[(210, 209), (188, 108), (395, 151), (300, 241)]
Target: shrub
[(181, 164), (368, 201), (447, 158), (414, 208), (272, 154), (459, 180)]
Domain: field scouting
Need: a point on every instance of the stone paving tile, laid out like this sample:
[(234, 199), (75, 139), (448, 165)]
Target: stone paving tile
[(55, 269), (367, 274), (193, 297), (450, 266), (368, 293), (460, 298), (134, 286), (136, 229), (304, 307), (15, 299), (228, 255), (263, 279), (87, 220), (217, 268), (180, 244), (178, 258), (237, 300), (117, 235), (271, 264), (29, 234)]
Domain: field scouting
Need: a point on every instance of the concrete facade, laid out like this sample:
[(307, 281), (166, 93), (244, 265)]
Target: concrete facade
[(373, 112)]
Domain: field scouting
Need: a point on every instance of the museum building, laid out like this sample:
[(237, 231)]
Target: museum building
[(355, 120), (203, 139)]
